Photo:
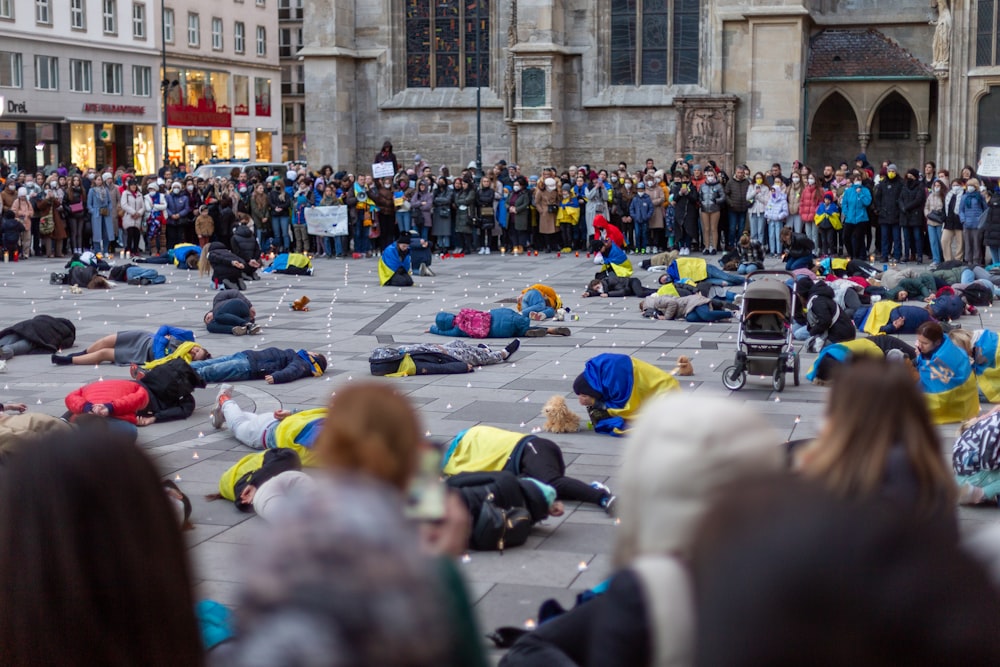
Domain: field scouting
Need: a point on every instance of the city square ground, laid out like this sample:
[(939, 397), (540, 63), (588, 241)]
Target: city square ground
[(351, 314)]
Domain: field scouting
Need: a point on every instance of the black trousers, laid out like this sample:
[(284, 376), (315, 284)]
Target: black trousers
[(542, 459)]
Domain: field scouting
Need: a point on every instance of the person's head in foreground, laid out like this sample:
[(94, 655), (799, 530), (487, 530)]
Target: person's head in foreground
[(878, 441), (672, 466), (787, 573), (92, 564), (930, 335), (373, 430)]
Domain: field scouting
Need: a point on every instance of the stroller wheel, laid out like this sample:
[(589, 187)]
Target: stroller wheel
[(795, 369), (733, 378), (779, 378)]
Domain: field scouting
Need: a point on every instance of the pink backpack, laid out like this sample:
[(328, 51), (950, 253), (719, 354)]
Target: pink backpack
[(476, 323)]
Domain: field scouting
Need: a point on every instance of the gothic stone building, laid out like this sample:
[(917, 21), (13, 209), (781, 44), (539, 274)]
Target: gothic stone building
[(603, 81)]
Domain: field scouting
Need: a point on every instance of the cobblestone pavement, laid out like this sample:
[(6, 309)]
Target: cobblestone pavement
[(350, 315)]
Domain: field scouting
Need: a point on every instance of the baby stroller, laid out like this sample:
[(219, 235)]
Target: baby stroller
[(764, 340)]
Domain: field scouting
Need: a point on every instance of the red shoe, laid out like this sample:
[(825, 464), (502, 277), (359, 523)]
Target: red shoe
[(459, 254)]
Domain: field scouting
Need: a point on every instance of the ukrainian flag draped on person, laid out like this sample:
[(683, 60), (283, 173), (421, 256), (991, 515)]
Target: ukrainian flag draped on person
[(625, 385), (949, 384)]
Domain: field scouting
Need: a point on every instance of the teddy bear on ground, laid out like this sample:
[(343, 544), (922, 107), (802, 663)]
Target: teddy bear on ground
[(684, 367), (301, 304), (558, 417)]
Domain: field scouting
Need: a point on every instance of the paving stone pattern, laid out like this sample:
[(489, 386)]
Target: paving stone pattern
[(350, 314)]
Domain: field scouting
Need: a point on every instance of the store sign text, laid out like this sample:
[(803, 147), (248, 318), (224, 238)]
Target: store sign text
[(114, 108), (10, 106)]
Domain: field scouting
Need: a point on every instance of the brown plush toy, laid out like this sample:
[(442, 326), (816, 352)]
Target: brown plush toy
[(684, 367), (301, 303), (558, 417)]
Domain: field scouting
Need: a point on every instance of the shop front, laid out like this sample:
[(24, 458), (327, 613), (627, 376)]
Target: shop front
[(29, 142), (211, 117)]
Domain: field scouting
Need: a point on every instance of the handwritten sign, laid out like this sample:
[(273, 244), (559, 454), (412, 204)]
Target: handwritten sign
[(327, 220), (989, 162), (383, 170)]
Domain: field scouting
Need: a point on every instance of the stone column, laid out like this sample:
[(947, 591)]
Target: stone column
[(922, 139), (863, 140)]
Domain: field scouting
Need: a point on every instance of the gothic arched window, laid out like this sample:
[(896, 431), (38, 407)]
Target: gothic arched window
[(442, 50), (654, 42)]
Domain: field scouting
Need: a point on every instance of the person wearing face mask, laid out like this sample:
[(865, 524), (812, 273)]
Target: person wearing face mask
[(624, 193), (737, 205), (23, 212), (934, 215), (887, 194), (809, 200), (9, 194), (952, 241), (758, 192), (519, 222), (712, 196), (177, 214), (911, 206), (776, 213), (970, 210), (658, 197), (854, 203), (793, 193), (102, 200), (547, 204)]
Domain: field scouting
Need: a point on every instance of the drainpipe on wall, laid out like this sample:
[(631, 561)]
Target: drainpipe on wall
[(805, 120)]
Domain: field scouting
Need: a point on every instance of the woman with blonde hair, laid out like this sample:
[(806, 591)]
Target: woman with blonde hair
[(878, 441)]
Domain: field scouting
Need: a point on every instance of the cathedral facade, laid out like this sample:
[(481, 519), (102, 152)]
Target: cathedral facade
[(605, 81)]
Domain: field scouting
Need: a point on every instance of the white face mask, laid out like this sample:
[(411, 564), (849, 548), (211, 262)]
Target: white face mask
[(857, 182), (190, 188), (176, 191), (937, 188), (649, 184), (811, 181), (970, 188), (795, 179), (710, 179), (628, 186), (517, 188)]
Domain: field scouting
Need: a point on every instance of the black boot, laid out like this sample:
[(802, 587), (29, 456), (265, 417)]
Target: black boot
[(61, 360)]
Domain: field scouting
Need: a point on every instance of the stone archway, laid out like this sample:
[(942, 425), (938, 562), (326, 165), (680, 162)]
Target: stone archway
[(833, 134), (894, 132)]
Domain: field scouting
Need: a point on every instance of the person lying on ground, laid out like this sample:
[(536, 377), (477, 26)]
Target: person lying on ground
[(182, 255), (833, 357), (490, 449), (135, 275), (271, 364), (495, 323), (692, 308), (138, 347), (291, 264), (281, 429), (40, 334), (232, 313), (613, 286), (539, 302), (165, 393), (455, 356), (614, 387), (983, 348)]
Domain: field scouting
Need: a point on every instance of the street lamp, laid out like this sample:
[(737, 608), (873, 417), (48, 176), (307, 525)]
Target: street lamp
[(479, 88), (164, 82)]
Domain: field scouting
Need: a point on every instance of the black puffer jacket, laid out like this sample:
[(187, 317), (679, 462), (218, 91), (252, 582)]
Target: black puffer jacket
[(911, 204), (222, 260), (991, 230), (244, 243), (508, 491), (824, 316), (887, 200), (46, 333)]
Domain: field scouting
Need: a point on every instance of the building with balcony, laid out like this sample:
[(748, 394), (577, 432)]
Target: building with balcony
[(79, 83), (293, 85), (222, 80)]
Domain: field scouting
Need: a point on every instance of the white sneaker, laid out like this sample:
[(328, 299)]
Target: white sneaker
[(3, 366), (481, 251), (487, 249)]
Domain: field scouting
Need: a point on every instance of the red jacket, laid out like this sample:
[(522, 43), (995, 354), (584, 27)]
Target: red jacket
[(123, 397), (809, 201)]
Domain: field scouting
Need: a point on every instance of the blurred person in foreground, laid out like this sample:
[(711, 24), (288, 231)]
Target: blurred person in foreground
[(670, 471), (788, 573), (878, 443), (92, 563), (343, 576)]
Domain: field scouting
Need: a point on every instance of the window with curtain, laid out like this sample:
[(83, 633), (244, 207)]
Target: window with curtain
[(447, 43), (654, 42)]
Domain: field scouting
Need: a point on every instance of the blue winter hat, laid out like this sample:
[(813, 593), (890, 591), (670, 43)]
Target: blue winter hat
[(547, 491)]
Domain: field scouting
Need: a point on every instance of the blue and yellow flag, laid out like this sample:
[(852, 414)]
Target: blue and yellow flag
[(987, 365), (618, 262), (625, 384), (949, 384), (878, 316), (844, 352)]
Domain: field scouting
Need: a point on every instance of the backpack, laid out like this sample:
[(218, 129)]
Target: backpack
[(496, 529), (46, 225), (978, 294), (475, 323)]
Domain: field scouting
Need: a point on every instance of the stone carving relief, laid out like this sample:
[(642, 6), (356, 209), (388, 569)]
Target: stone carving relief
[(706, 127)]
